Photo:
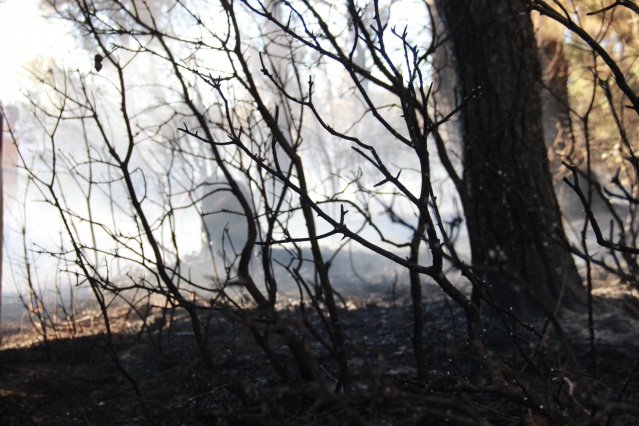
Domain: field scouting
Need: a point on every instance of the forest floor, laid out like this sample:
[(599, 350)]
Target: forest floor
[(72, 380)]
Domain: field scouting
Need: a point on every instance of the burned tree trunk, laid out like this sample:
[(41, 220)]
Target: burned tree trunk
[(513, 218)]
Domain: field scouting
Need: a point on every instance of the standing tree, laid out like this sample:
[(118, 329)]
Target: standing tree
[(182, 108), (514, 223), (558, 132)]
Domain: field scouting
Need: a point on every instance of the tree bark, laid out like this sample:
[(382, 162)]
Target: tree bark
[(514, 222), (554, 98)]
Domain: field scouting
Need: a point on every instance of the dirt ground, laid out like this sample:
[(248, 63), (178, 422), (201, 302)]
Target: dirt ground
[(74, 381)]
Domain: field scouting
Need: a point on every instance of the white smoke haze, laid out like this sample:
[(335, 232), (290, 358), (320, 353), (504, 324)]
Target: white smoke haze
[(182, 190)]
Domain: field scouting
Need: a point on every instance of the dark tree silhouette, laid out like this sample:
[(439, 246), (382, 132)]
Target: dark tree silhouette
[(242, 91), (514, 223)]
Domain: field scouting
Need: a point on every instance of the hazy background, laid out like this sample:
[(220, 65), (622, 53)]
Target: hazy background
[(31, 43)]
